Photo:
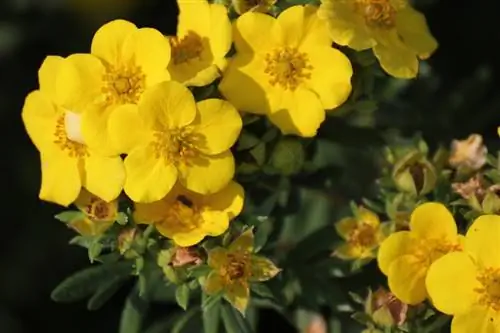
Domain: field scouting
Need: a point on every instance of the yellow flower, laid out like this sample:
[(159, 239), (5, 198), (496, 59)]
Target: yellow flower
[(124, 61), (261, 6), (362, 236), (467, 284), (234, 268), (168, 137), (203, 40), (287, 68), (406, 256), (99, 215), (187, 217), (67, 163), (397, 33)]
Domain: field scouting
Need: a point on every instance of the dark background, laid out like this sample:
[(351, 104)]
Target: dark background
[(458, 96)]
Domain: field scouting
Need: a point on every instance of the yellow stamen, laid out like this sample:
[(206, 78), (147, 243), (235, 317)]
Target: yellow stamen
[(99, 210), (176, 145), (364, 236), (74, 149), (287, 67), (124, 84), (377, 13), (186, 48), (237, 267), (183, 215), (430, 250), (489, 292)]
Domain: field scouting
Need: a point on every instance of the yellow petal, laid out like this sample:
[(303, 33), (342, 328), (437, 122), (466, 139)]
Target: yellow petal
[(229, 200), (148, 49), (207, 174), (151, 212), (126, 128), (185, 239), (244, 242), (346, 226), (195, 16), (396, 245), (451, 281), (94, 129), (218, 123), (108, 41), (79, 82), (368, 217), (168, 104), (47, 75), (433, 220), (395, 58), (148, 178), (247, 71), (220, 31), (483, 240), (478, 319), (105, 176), (217, 257), (238, 294), (412, 27), (331, 76), (349, 251), (345, 25), (407, 279), (298, 112), (84, 199), (213, 284), (60, 178), (87, 227), (40, 116), (215, 223), (303, 27), (196, 72), (255, 32), (263, 269)]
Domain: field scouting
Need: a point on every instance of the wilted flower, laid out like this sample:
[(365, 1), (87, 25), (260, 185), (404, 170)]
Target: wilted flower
[(125, 242), (185, 256), (385, 308), (317, 325), (469, 153)]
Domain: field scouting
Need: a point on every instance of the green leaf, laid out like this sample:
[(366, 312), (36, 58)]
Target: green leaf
[(199, 270), (246, 141), (210, 301), (122, 218), (85, 282), (262, 290), (82, 241), (185, 320), (234, 321), (133, 313), (70, 216), (211, 315), (165, 324), (182, 296), (261, 234), (95, 250), (105, 292), (259, 153)]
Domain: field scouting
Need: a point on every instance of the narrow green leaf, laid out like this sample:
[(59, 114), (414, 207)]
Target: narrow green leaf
[(164, 325), (262, 290), (209, 301), (246, 141), (105, 292), (69, 216), (133, 313), (211, 315), (182, 296), (184, 320), (234, 321), (85, 282), (261, 234), (259, 153)]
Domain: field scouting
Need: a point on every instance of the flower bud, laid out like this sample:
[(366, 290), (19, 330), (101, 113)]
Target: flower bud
[(288, 156), (126, 241), (385, 309), (414, 174)]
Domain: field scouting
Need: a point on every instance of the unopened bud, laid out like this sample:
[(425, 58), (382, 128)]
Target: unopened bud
[(415, 174)]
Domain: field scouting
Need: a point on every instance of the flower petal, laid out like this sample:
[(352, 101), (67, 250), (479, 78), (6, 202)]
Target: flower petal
[(148, 49), (168, 104), (263, 269), (395, 58), (247, 71), (303, 27), (433, 220), (79, 82), (451, 281), (207, 174), (407, 279), (298, 112), (482, 240), (368, 217), (94, 129), (396, 245), (348, 251), (151, 212), (218, 123), (47, 75), (194, 16), (412, 27), (148, 179), (186, 239), (477, 319), (228, 200), (39, 117), (244, 242), (217, 257), (213, 284), (105, 176), (346, 226), (126, 128), (331, 76), (238, 294), (108, 40), (255, 33), (220, 31), (215, 223), (60, 178)]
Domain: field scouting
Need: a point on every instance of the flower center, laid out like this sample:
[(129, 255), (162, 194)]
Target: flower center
[(63, 140), (237, 267), (490, 288), (186, 48), (430, 250), (363, 236), (177, 145), (377, 13), (287, 67), (123, 84), (183, 215), (99, 210)]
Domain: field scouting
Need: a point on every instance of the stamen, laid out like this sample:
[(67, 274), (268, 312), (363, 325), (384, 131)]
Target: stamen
[(287, 67)]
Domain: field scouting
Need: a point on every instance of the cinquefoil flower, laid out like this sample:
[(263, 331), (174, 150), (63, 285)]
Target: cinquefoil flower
[(98, 215)]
